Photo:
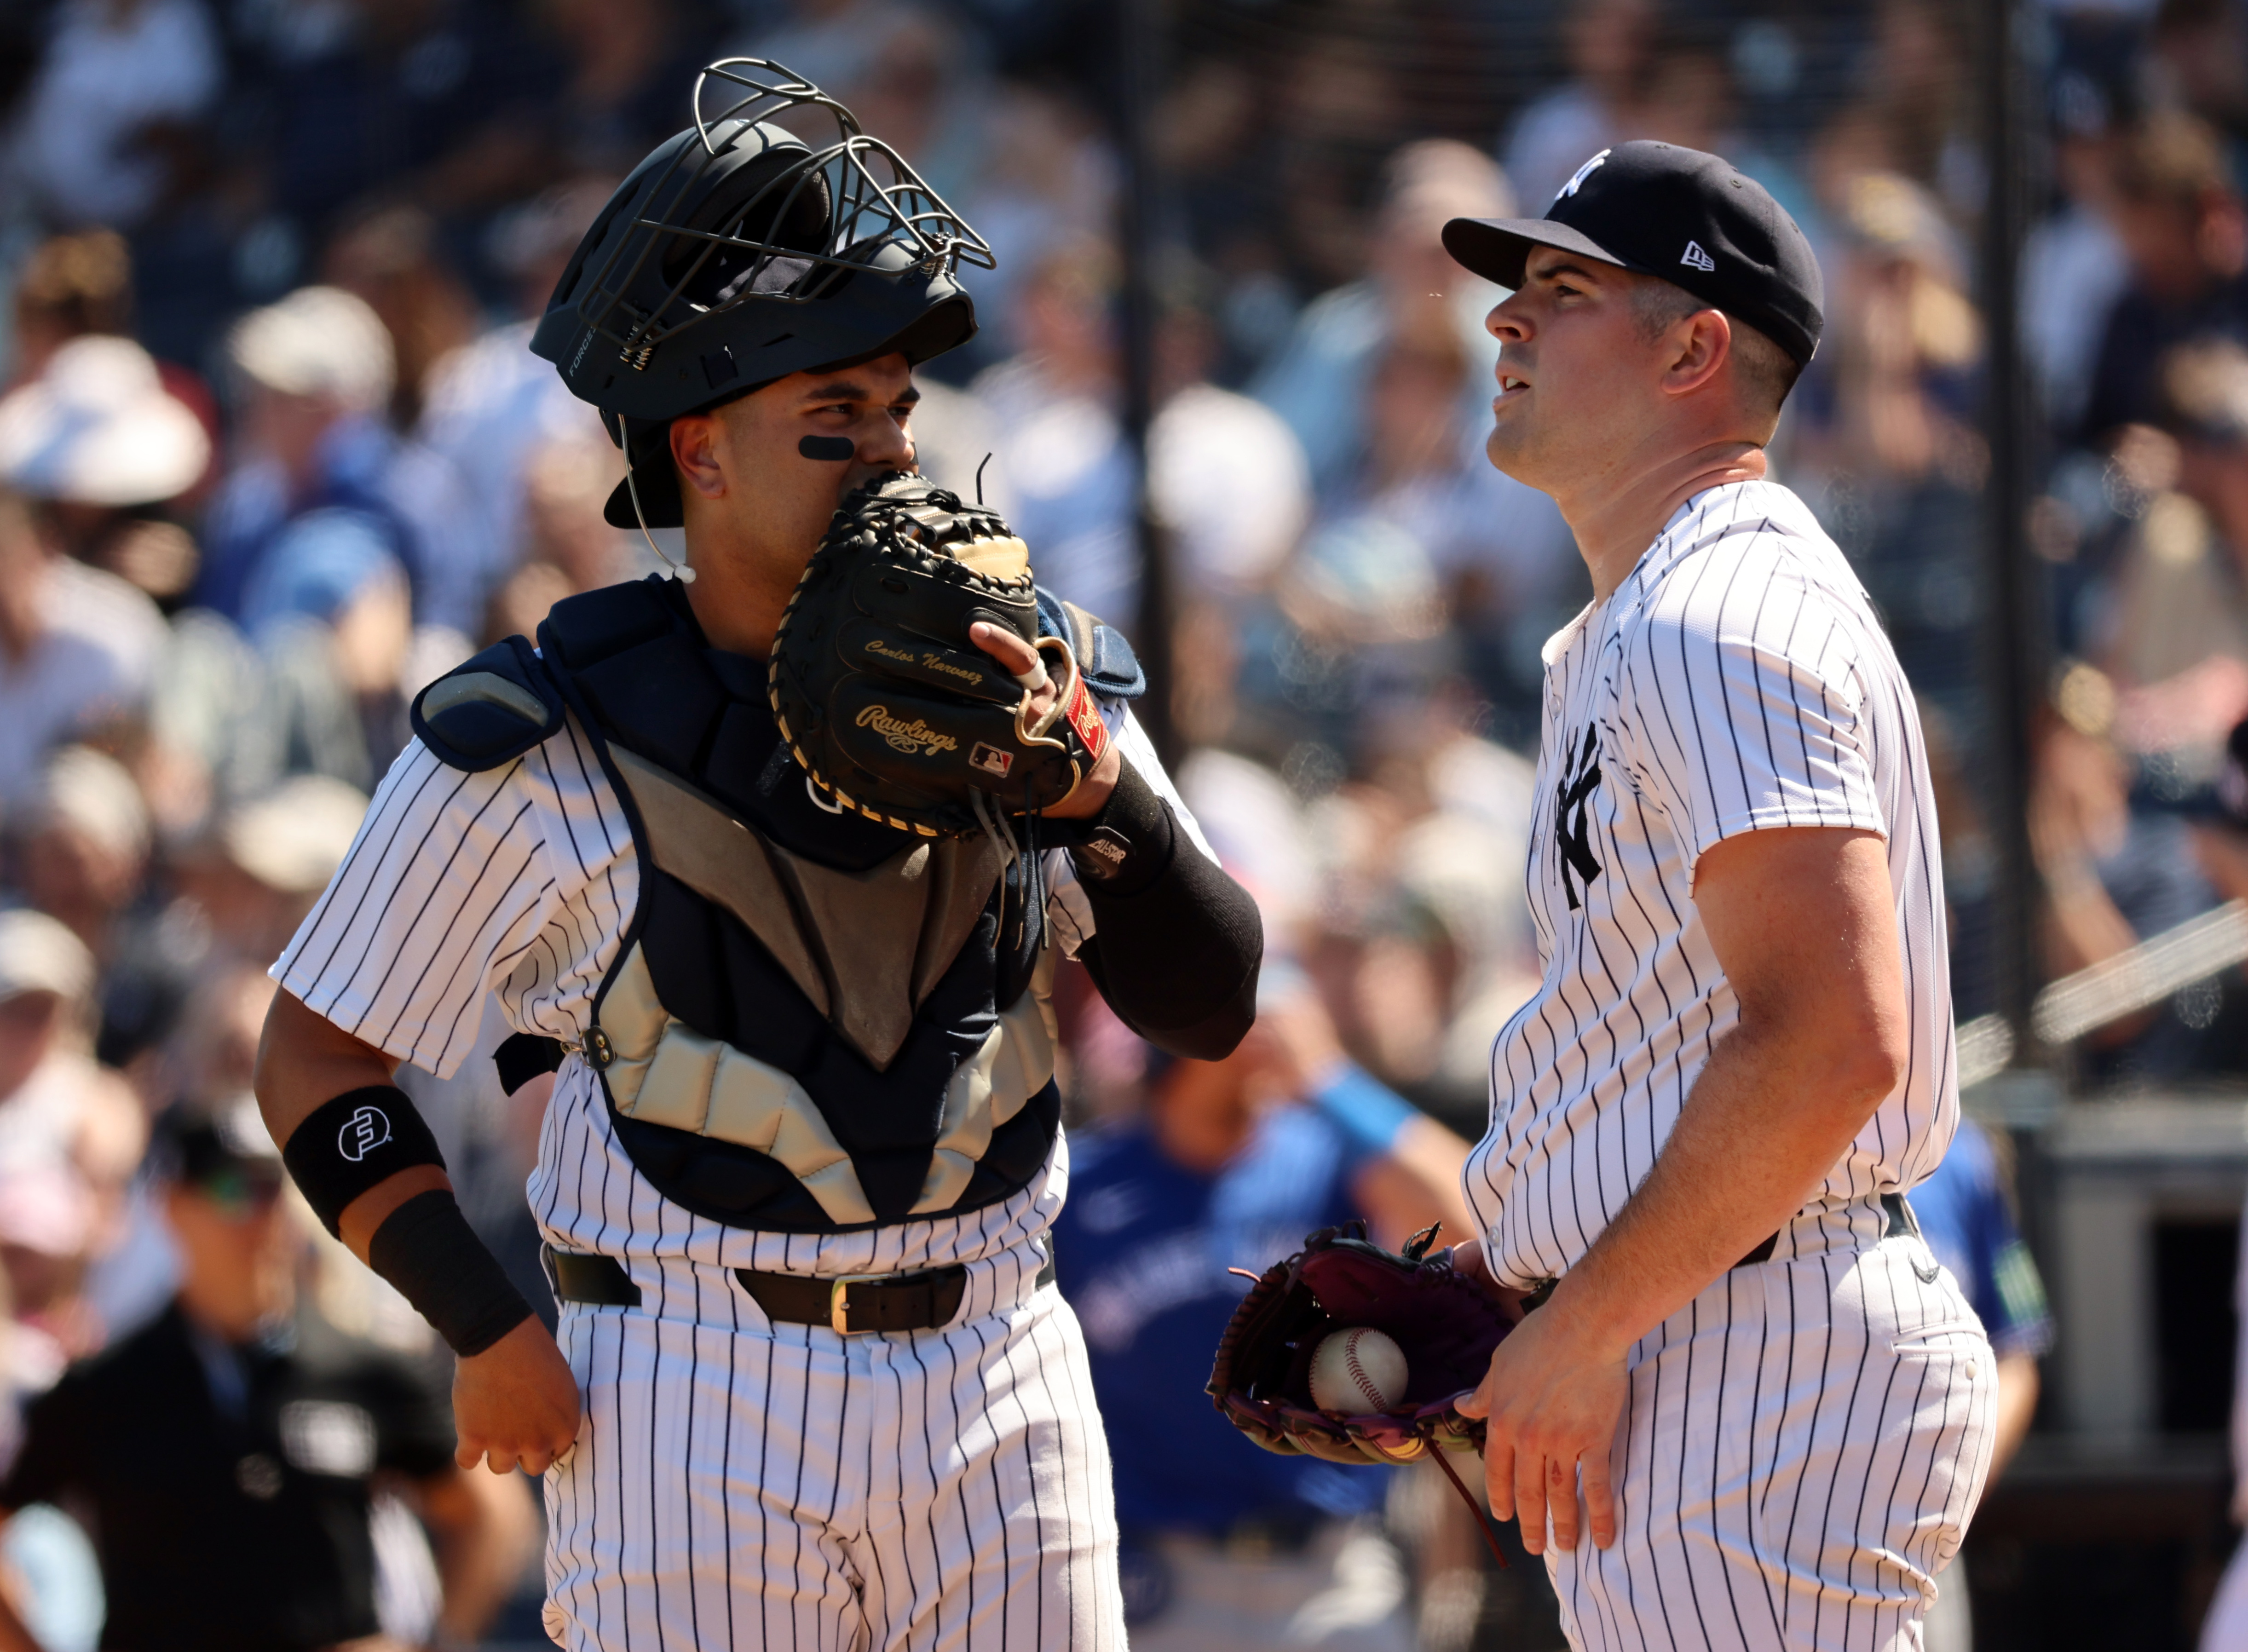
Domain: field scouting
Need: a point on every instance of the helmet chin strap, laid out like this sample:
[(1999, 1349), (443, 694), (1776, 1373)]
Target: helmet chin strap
[(680, 570)]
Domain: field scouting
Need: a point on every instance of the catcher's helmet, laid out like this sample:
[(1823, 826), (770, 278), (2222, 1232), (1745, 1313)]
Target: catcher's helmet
[(740, 252)]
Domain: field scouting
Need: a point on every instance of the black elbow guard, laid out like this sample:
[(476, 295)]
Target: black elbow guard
[(348, 1144), (1177, 942), (425, 1248)]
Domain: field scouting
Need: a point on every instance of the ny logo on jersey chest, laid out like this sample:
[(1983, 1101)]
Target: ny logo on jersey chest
[(1580, 775)]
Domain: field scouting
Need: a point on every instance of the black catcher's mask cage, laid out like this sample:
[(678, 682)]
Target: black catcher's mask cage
[(772, 237)]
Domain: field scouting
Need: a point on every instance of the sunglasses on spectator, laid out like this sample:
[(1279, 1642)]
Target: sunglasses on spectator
[(239, 1194)]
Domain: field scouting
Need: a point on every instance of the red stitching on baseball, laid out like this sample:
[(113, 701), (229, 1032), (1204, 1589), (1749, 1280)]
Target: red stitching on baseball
[(1358, 1373)]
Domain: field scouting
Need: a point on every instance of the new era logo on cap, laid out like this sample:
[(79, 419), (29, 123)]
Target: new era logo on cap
[(1693, 257)]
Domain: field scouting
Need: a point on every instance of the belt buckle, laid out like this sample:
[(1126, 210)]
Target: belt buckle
[(839, 1302)]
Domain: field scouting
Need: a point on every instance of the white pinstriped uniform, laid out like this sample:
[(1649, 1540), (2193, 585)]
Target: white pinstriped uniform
[(737, 1483), (1804, 1441)]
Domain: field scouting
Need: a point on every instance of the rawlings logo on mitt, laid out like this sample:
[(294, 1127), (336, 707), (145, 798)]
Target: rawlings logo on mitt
[(883, 700)]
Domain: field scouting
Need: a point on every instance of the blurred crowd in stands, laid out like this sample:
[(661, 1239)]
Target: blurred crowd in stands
[(273, 454)]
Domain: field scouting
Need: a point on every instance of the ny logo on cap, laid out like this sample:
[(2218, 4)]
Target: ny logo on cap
[(1695, 259), (1580, 175)]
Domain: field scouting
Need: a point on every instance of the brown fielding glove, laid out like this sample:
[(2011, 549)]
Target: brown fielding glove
[(883, 700), (1446, 1326)]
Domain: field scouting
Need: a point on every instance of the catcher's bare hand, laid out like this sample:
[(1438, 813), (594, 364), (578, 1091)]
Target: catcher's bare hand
[(1021, 659), (516, 1402), (1551, 1400)]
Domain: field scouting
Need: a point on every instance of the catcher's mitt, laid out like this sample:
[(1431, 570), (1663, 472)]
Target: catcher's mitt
[(1445, 1324), (880, 695)]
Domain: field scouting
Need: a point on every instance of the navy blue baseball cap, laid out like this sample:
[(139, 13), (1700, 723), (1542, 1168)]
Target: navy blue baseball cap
[(1678, 214)]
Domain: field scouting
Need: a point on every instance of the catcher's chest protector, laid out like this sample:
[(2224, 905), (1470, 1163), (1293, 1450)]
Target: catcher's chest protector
[(815, 1022)]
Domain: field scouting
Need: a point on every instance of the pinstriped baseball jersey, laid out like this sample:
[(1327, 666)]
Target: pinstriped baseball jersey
[(1805, 1441), (1737, 679), (521, 880)]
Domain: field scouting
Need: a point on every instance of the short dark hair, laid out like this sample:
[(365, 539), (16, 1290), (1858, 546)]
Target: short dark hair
[(1766, 371)]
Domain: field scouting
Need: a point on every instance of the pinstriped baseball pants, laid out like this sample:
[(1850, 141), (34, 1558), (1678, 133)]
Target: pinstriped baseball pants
[(749, 1484), (1805, 1443)]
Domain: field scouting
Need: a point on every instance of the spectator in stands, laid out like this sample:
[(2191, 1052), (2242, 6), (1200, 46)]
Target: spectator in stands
[(46, 992), (1386, 383), (71, 1133), (83, 845), (621, 87), (101, 446), (2172, 605), (1228, 479), (2114, 875), (2178, 213), (47, 1232), (117, 82), (1908, 116), (316, 372), (490, 404), (1886, 424), (390, 254), (1407, 300), (2074, 268), (229, 1449), (1226, 1547), (438, 100), (1607, 46), (567, 547), (318, 686), (77, 649), (67, 286), (267, 861)]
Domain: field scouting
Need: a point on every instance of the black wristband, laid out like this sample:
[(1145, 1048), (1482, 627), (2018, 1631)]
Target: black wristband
[(428, 1250), (1132, 840), (347, 1146)]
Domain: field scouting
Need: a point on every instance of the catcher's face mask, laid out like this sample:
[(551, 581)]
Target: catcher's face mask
[(772, 237)]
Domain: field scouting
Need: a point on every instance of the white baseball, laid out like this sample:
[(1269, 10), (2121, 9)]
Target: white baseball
[(1357, 1370)]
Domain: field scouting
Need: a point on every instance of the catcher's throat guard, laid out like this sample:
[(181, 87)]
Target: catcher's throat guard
[(885, 702)]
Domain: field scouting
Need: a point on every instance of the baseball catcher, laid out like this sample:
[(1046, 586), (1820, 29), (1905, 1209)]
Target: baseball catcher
[(770, 863)]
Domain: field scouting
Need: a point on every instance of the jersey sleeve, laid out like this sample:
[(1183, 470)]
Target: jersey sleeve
[(447, 882), (1740, 706), (1067, 910)]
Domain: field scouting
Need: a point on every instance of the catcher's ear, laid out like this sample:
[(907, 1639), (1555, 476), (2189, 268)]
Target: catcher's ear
[(695, 451)]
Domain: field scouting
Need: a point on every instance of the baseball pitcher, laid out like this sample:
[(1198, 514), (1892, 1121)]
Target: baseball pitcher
[(1741, 1374)]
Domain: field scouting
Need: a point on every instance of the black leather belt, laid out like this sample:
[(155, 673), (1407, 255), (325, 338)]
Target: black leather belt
[(849, 1305), (1902, 1220)]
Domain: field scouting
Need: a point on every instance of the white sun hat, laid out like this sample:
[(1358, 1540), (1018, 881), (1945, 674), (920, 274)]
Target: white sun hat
[(318, 341), (98, 428), (295, 836)]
